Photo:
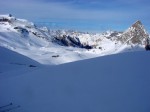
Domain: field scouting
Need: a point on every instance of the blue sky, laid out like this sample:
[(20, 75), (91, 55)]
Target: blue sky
[(87, 15)]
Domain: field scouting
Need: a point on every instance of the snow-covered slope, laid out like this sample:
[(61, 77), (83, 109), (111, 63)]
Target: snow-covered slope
[(10, 62), (116, 83), (56, 47), (23, 37)]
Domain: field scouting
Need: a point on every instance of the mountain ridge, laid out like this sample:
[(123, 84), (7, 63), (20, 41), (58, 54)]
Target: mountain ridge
[(136, 32), (26, 38)]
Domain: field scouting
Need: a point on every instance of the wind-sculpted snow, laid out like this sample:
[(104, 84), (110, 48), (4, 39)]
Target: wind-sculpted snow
[(116, 83)]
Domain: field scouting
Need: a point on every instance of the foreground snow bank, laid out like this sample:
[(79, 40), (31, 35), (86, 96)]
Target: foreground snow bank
[(116, 83)]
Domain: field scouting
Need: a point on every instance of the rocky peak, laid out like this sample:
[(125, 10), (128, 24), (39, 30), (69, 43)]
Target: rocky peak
[(136, 34), (137, 23)]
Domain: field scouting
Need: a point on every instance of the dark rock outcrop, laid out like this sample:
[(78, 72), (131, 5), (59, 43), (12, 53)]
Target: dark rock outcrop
[(71, 41)]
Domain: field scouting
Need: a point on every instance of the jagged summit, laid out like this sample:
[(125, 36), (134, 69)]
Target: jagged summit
[(135, 34), (138, 22), (138, 25)]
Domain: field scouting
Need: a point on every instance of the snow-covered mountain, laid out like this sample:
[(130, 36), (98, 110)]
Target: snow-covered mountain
[(136, 34), (60, 46), (114, 83)]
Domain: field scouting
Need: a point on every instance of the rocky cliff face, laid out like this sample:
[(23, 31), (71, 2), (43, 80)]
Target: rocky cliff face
[(71, 41), (136, 34)]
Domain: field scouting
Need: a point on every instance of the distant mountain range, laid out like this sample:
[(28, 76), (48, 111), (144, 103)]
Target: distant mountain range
[(60, 46)]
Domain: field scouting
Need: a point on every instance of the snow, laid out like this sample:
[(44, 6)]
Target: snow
[(11, 61), (38, 44), (39, 75), (42, 50), (115, 83)]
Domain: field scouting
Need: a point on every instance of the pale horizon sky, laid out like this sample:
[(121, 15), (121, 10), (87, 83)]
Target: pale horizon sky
[(96, 15)]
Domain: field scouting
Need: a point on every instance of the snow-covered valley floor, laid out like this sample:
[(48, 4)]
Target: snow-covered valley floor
[(114, 83)]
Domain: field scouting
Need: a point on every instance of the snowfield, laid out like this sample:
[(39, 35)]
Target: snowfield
[(61, 71), (115, 83)]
